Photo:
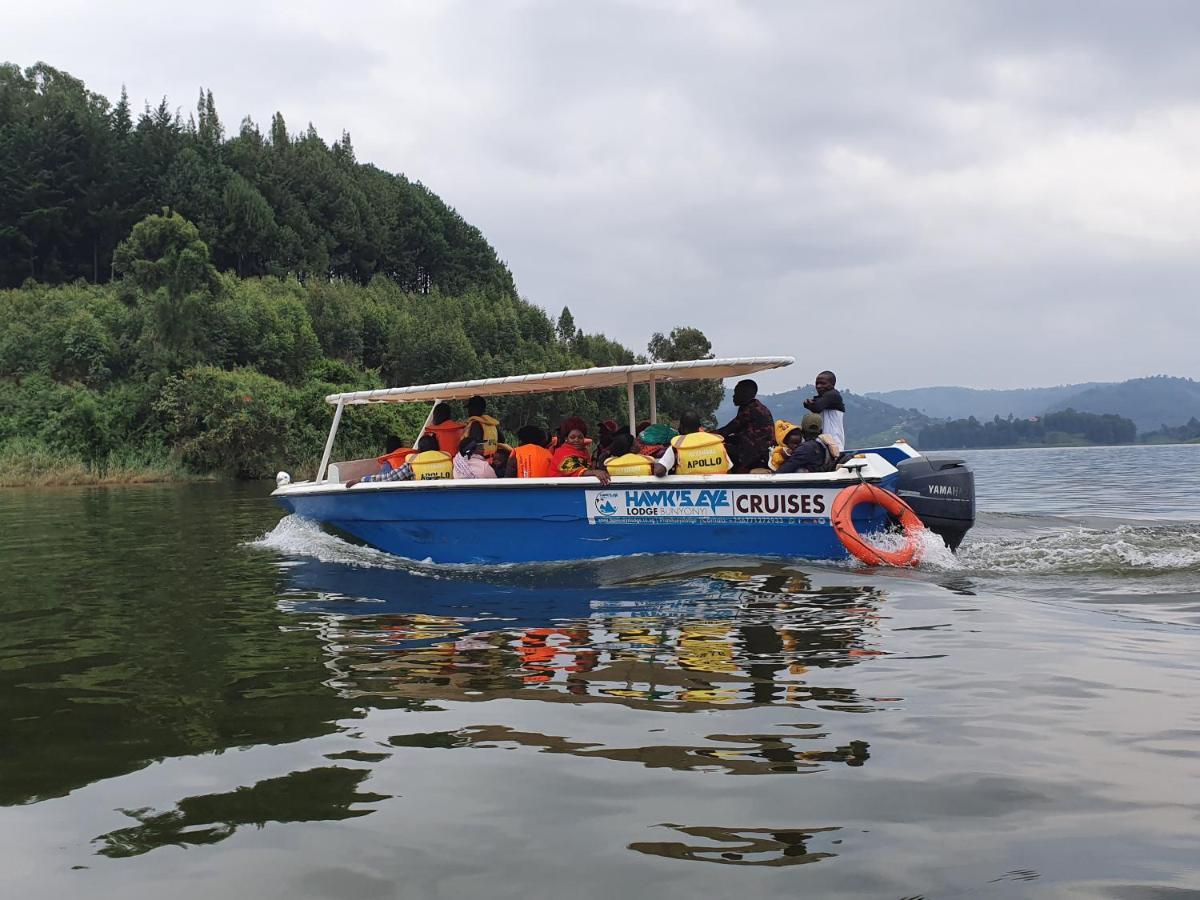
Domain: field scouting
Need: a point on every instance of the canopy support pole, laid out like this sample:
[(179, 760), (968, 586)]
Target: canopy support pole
[(653, 402), (337, 420), (629, 399)]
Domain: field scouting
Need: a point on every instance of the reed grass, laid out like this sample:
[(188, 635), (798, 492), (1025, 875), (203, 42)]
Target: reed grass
[(30, 463)]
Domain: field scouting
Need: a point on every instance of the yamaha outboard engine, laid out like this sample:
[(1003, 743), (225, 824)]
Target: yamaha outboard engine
[(941, 490)]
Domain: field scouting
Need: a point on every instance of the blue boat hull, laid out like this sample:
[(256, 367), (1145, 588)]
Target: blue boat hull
[(514, 522)]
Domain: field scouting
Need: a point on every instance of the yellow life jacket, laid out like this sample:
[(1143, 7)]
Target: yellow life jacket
[(431, 465), (700, 453), (490, 430), (629, 464)]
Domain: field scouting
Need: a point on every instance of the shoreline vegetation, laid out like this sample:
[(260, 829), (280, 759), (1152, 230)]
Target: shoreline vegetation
[(25, 463)]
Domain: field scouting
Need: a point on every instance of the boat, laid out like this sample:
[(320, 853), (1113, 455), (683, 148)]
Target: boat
[(533, 520)]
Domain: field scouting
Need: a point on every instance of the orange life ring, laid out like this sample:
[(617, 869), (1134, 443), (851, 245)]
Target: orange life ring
[(844, 505)]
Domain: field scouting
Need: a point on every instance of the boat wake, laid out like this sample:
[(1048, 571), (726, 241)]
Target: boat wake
[(299, 537), (1123, 550)]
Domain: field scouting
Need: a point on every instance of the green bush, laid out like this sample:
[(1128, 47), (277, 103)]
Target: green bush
[(238, 422)]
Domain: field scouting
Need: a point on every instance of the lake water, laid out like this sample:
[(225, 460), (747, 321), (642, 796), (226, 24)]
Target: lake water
[(199, 699)]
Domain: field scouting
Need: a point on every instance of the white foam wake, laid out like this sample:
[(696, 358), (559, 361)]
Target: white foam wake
[(1125, 550), (297, 536)]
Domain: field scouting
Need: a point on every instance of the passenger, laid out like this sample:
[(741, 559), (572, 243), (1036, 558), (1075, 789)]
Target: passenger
[(828, 403), (622, 461), (482, 427), (394, 455), (571, 456), (693, 451), (788, 437), (501, 460), (605, 432), (653, 440), (431, 464), (531, 459), (448, 432), (403, 471), (748, 434), (817, 453), (470, 462), (571, 451)]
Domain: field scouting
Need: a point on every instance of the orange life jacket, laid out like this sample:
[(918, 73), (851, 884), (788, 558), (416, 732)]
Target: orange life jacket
[(396, 458), (448, 435), (532, 461)]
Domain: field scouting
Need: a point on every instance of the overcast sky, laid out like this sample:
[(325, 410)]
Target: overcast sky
[(910, 193)]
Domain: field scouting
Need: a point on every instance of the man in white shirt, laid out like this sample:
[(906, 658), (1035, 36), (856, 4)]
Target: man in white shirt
[(828, 403)]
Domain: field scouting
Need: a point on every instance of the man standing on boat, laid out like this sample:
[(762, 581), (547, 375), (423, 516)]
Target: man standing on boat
[(749, 434), (828, 403)]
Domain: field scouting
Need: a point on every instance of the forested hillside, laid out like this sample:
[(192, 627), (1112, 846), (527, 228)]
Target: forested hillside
[(77, 172), (1151, 403), (179, 299), (946, 402)]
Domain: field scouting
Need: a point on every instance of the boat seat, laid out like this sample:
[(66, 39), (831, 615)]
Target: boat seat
[(352, 468)]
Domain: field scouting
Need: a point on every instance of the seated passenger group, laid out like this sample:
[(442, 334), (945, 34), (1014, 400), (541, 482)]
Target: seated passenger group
[(751, 443)]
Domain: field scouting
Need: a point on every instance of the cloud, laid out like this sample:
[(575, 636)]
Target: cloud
[(993, 194)]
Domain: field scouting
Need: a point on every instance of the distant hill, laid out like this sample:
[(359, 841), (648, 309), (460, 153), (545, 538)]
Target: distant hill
[(946, 402), (868, 421), (1150, 402)]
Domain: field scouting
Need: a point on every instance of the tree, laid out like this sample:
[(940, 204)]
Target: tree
[(250, 232), (169, 264), (702, 397), (566, 329)]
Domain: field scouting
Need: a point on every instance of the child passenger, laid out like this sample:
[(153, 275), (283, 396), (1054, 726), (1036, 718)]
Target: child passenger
[(788, 437)]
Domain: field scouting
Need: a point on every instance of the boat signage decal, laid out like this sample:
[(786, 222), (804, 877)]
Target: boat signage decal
[(708, 505)]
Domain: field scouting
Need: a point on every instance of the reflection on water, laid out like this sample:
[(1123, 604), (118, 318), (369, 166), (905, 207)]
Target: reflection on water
[(733, 637), (325, 794), (744, 846), (752, 636)]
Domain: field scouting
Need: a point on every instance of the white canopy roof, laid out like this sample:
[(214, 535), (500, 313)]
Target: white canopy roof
[(573, 380)]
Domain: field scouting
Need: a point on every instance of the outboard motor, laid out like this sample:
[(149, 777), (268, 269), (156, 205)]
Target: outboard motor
[(941, 490)]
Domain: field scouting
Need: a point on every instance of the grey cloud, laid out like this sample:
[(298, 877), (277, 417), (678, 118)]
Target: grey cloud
[(909, 193)]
